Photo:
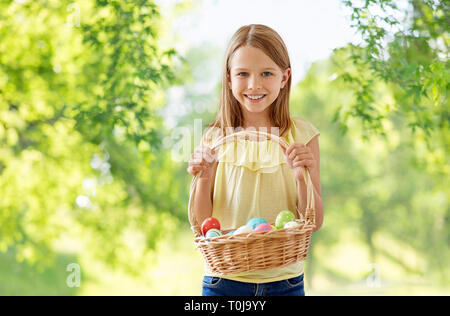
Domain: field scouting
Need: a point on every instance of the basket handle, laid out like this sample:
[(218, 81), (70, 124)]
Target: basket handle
[(310, 208)]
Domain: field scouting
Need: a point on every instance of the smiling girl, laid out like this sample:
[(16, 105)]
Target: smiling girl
[(247, 178)]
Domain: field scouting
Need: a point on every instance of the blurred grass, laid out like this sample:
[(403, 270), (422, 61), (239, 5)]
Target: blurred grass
[(24, 279), (178, 270)]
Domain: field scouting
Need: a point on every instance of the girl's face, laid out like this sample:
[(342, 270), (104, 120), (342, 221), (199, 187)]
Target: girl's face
[(254, 74)]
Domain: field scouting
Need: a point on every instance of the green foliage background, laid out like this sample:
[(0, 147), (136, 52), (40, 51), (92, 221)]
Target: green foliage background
[(87, 172)]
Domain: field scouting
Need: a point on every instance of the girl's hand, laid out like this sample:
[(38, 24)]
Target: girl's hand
[(298, 155), (202, 159)]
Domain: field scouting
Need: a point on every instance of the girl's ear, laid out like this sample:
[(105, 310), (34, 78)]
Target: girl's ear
[(286, 75)]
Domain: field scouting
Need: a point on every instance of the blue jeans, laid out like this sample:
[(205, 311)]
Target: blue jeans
[(214, 286)]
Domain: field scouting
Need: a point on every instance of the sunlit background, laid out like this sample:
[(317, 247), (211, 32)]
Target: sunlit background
[(102, 102)]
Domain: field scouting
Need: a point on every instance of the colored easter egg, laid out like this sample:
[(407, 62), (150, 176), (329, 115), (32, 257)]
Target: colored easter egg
[(255, 221), (263, 227), (210, 223), (232, 232), (213, 232), (291, 224), (283, 217), (243, 230)]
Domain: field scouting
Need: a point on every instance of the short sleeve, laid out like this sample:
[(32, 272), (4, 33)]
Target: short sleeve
[(301, 131), (211, 135)]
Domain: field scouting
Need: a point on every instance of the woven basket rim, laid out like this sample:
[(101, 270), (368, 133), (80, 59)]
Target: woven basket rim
[(305, 226)]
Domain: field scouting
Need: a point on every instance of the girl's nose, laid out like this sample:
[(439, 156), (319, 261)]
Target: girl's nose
[(254, 82)]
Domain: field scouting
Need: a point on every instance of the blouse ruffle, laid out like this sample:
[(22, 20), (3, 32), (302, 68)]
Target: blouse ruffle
[(263, 156), (258, 156)]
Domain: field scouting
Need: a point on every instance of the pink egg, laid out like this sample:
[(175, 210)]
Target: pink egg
[(263, 227)]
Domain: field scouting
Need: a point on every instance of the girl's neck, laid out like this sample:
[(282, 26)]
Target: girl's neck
[(257, 121), (265, 127)]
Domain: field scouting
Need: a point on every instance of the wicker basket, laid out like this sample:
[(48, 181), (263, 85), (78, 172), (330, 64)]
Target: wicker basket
[(255, 251)]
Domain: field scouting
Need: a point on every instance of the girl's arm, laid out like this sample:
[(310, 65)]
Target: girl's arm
[(315, 178), (203, 197)]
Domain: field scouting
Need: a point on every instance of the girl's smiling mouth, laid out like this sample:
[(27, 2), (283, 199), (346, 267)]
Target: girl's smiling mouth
[(255, 98)]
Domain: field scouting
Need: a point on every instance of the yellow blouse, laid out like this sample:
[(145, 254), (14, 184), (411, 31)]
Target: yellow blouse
[(254, 180)]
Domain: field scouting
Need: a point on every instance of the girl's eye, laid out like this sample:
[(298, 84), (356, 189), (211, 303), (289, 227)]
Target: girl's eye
[(266, 72)]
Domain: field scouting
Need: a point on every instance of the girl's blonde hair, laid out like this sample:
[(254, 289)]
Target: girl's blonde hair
[(266, 39)]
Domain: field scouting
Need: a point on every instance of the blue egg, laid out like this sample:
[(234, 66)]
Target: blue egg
[(213, 233), (256, 221)]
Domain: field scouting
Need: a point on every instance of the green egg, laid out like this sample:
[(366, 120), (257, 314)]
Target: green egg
[(283, 217)]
